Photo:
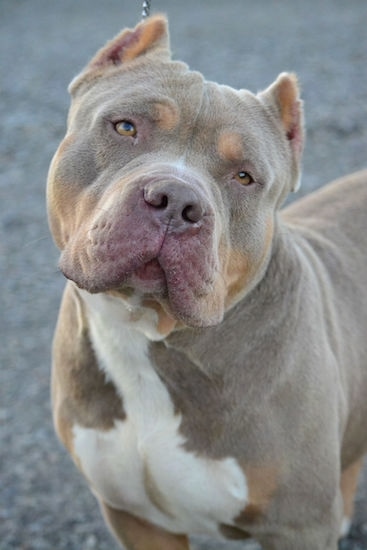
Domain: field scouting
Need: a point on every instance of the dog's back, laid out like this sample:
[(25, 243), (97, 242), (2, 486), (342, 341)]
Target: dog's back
[(332, 223)]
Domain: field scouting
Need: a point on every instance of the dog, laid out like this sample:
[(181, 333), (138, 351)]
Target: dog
[(209, 361)]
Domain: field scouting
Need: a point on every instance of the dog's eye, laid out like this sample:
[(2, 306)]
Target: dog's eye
[(244, 178), (125, 128)]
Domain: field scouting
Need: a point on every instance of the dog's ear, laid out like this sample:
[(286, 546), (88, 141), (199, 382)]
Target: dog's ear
[(283, 99), (149, 36)]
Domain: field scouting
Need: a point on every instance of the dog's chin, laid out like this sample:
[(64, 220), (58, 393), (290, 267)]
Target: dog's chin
[(187, 308), (149, 281), (173, 292)]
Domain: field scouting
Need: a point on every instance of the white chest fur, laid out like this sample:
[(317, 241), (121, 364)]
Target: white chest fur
[(141, 465)]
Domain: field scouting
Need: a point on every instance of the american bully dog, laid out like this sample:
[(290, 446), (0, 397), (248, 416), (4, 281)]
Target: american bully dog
[(210, 357)]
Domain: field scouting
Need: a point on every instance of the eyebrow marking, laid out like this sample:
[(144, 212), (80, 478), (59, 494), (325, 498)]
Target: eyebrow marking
[(230, 146), (167, 115)]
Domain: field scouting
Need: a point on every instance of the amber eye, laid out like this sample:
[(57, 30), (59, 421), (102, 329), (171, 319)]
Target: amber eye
[(125, 128), (244, 178)]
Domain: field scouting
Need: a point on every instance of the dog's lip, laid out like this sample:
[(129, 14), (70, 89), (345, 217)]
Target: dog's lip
[(147, 276)]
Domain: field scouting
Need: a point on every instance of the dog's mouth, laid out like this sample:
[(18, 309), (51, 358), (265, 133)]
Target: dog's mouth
[(180, 276), (113, 274)]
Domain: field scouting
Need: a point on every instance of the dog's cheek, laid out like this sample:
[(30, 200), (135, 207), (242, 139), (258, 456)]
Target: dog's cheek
[(71, 174), (237, 275), (246, 262)]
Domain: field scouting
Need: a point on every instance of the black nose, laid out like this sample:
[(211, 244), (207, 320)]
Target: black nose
[(174, 203)]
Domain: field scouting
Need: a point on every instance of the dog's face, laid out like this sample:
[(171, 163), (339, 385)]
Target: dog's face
[(166, 185)]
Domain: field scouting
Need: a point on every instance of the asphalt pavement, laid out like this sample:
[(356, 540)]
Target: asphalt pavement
[(44, 503)]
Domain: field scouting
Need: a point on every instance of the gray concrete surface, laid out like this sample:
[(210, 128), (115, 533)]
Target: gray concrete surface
[(44, 503)]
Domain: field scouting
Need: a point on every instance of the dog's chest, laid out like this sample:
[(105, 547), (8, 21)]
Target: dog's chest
[(141, 464)]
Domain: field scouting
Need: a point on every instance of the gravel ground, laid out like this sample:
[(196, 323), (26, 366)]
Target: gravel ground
[(43, 43)]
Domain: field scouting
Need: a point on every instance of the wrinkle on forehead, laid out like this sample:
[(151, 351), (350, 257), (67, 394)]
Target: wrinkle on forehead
[(141, 83), (226, 118), (161, 109)]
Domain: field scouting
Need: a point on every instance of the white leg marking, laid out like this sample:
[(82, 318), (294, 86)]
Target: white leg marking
[(345, 527)]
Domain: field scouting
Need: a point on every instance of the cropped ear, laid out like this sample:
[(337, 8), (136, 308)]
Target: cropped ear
[(149, 36), (282, 97)]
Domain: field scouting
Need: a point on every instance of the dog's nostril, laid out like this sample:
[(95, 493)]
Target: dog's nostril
[(191, 213), (164, 202), (158, 200)]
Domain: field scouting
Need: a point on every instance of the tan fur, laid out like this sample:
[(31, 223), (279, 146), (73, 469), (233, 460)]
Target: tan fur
[(349, 482), (287, 97), (168, 115), (253, 318), (230, 147), (166, 323), (139, 535), (263, 480), (240, 270)]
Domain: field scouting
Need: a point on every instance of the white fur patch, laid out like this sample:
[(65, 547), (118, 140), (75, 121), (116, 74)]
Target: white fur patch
[(345, 527), (194, 493)]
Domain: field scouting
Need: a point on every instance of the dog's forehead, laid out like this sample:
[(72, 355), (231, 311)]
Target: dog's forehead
[(140, 88), (212, 124)]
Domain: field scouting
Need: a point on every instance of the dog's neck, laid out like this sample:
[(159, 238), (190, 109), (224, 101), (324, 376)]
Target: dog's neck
[(274, 299)]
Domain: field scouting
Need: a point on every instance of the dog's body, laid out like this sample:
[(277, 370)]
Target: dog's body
[(210, 356)]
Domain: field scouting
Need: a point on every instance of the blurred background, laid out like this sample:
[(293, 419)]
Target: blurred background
[(44, 503)]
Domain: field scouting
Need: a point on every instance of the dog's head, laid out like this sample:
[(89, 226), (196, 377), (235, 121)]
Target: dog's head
[(167, 185)]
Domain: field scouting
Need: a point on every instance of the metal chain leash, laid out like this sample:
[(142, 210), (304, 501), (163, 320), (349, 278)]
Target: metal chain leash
[(146, 9)]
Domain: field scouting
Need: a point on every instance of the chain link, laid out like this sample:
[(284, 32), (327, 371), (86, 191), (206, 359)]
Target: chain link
[(146, 9)]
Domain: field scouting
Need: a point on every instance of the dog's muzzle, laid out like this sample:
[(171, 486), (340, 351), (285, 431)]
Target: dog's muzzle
[(155, 234)]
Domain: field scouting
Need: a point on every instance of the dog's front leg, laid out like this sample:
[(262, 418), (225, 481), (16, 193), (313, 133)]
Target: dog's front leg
[(300, 541), (136, 534), (323, 536)]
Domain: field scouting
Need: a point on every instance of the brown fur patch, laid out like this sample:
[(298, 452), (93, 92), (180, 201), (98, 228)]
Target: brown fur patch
[(167, 115), (233, 533), (262, 483), (230, 147), (348, 484), (139, 534), (239, 270), (237, 274), (166, 323)]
